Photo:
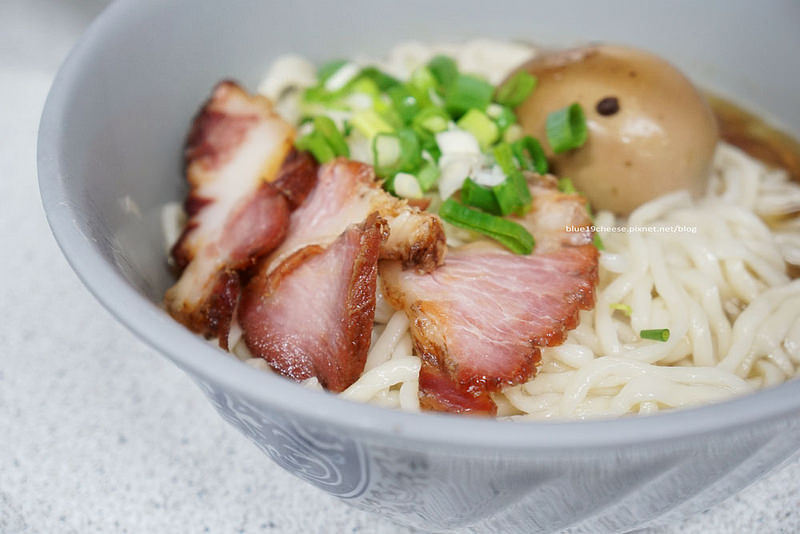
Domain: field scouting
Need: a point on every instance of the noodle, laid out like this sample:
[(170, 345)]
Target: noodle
[(382, 349)]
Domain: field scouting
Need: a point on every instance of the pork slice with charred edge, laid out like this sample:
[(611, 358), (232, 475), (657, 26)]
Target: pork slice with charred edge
[(244, 178), (479, 320), (312, 316)]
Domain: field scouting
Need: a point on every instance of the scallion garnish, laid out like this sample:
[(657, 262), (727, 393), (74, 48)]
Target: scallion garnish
[(382, 80), (366, 86), (502, 116), (598, 242), (444, 69), (660, 334), (408, 124), (507, 195), (479, 197), (624, 308), (481, 126), (406, 185), (385, 153), (422, 80), (566, 128), (467, 92), (410, 151), (504, 156), (369, 123), (428, 144), (512, 235), (432, 119), (321, 96), (316, 143), (516, 89), (332, 135), (530, 154), (396, 152), (404, 103), (427, 175), (524, 193)]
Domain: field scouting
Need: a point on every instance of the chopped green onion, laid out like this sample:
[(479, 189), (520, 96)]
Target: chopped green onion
[(366, 86), (502, 116), (422, 79), (624, 308), (421, 84), (385, 152), (370, 124), (396, 152), (524, 193), (507, 196), (316, 143), (565, 185), (406, 185), (404, 103), (481, 126), (516, 89), (382, 80), (389, 114), (504, 156), (660, 334), (320, 95), (467, 92), (329, 69), (515, 237), (432, 119), (347, 128), (444, 69), (428, 144), (479, 197), (410, 151), (566, 128), (598, 242), (326, 127), (435, 98), (427, 175), (530, 154)]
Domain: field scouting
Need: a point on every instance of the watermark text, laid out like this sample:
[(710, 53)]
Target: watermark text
[(652, 229)]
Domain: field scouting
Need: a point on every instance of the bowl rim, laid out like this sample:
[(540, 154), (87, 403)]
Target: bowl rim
[(194, 355)]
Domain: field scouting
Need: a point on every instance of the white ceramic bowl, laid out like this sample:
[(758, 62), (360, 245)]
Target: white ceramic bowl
[(111, 137)]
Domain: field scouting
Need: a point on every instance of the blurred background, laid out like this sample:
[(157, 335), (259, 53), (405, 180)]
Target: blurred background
[(100, 434)]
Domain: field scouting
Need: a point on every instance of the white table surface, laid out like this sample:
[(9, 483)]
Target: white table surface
[(98, 433)]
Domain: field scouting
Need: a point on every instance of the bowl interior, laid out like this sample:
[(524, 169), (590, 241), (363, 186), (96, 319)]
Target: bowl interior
[(113, 129)]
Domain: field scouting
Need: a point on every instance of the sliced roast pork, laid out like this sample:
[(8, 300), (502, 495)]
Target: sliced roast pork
[(346, 193), (244, 178), (478, 320), (309, 309), (312, 315)]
